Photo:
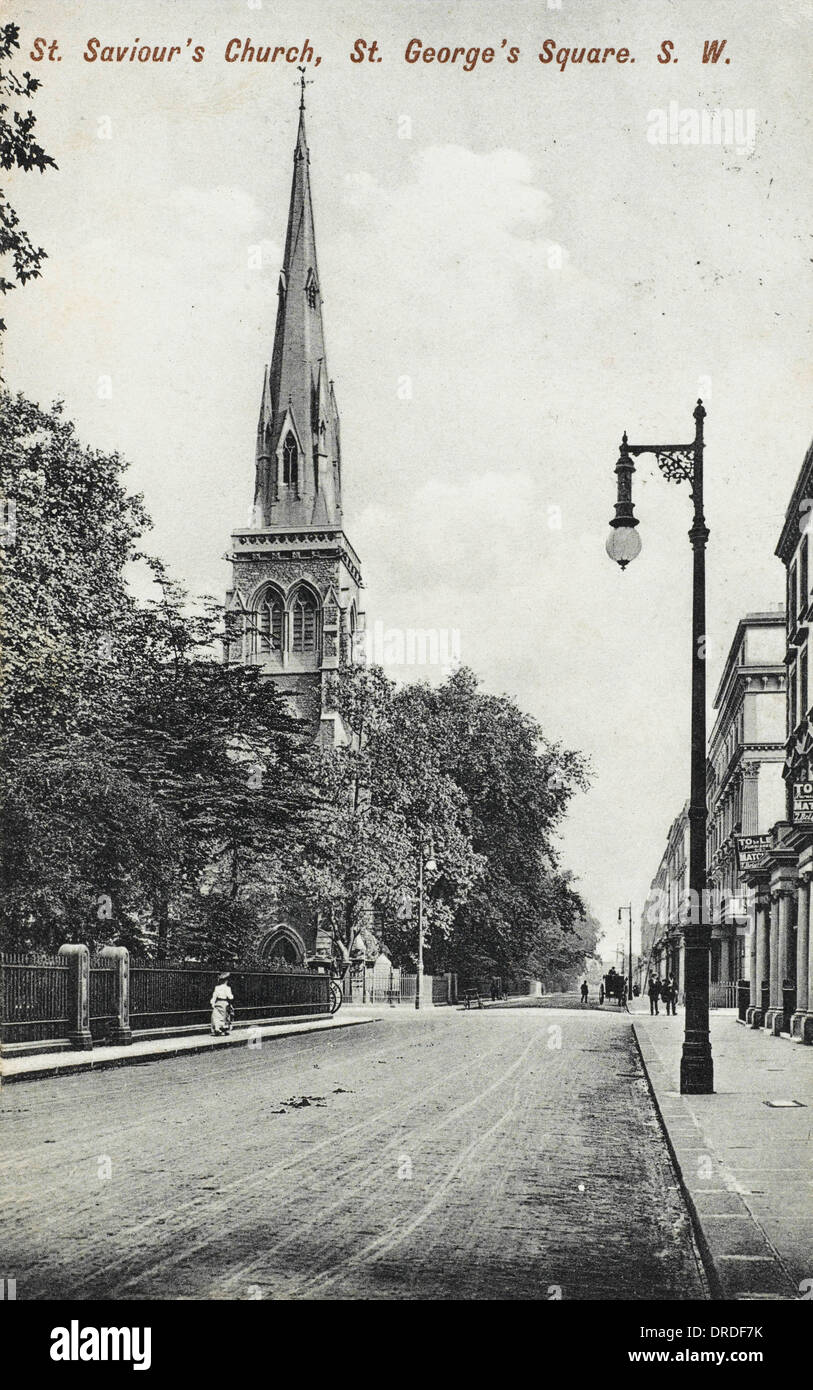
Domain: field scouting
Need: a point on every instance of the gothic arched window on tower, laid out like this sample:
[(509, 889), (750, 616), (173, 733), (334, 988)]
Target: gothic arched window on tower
[(303, 635), (290, 461), (311, 292), (269, 625)]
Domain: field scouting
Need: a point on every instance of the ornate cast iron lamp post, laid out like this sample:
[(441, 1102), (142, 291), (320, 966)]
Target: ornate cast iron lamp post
[(683, 463)]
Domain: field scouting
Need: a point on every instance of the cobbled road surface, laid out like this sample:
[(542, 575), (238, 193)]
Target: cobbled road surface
[(508, 1153)]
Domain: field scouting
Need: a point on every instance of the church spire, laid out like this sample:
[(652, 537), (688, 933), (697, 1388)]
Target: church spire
[(298, 436)]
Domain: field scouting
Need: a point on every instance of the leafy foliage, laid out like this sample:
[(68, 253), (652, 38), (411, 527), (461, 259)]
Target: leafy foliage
[(154, 795), (380, 802), (18, 148), (517, 786), (62, 568), (134, 762), (468, 778)]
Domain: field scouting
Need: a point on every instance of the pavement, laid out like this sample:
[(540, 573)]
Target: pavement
[(492, 1154), (744, 1154), (36, 1066)]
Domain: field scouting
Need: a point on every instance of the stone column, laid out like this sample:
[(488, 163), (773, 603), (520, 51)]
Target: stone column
[(764, 931), (802, 951), (782, 889), (807, 1023), (725, 954), (759, 905), (78, 958), (122, 1033), (750, 802)]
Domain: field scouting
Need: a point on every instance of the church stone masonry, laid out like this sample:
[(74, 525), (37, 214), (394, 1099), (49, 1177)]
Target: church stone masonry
[(294, 606)]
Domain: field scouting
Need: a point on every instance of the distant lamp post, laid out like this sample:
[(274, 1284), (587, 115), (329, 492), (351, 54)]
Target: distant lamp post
[(426, 862), (683, 463), (628, 909)]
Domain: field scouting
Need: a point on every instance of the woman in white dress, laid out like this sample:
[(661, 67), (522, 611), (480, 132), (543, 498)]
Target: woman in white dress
[(221, 1003)]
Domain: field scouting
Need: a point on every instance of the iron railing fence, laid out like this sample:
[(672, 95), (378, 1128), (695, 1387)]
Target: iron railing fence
[(37, 1003), (384, 985), (395, 986), (353, 983), (34, 997), (279, 994), (440, 989), (103, 996), (169, 994), (723, 994)]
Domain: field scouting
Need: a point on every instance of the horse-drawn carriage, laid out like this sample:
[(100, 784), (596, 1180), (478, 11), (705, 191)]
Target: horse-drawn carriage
[(613, 988)]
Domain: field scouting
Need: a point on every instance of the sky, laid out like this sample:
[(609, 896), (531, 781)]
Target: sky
[(513, 272)]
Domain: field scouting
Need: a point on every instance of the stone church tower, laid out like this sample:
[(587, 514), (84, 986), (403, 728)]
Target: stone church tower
[(294, 608)]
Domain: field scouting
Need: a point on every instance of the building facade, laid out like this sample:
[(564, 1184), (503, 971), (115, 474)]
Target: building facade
[(781, 900), (663, 915), (294, 607), (745, 788)]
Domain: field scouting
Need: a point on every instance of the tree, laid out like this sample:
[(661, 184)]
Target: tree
[(84, 853), (469, 775), (375, 802), (19, 148), (517, 786), (143, 781), (72, 527), (152, 794), (566, 952), (221, 758)]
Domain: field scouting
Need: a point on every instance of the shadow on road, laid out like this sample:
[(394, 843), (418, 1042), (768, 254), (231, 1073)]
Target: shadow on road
[(555, 1001)]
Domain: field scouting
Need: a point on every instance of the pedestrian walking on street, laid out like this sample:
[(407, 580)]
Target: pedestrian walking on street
[(584, 991), (665, 993), (669, 994), (222, 1005), (495, 989), (654, 993)]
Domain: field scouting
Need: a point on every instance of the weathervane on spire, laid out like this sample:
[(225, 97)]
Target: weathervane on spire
[(303, 83)]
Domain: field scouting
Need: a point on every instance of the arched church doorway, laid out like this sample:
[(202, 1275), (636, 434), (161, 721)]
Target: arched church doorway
[(283, 946)]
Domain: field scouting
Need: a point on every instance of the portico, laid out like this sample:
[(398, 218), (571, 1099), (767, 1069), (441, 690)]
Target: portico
[(780, 902), (784, 886), (759, 921)]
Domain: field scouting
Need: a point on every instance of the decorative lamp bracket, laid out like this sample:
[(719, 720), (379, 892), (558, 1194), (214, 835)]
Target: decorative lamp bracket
[(676, 461)]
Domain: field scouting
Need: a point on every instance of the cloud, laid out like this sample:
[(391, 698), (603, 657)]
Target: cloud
[(495, 317)]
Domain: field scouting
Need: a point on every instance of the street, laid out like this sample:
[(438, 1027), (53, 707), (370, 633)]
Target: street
[(508, 1153)]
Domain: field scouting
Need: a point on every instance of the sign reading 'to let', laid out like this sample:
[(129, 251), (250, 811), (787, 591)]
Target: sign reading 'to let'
[(803, 802)]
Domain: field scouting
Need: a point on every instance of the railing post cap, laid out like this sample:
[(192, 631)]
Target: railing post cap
[(115, 952)]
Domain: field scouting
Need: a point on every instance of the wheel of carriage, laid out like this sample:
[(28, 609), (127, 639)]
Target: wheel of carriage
[(336, 996)]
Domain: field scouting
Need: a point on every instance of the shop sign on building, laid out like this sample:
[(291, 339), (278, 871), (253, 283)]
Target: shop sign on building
[(803, 803), (751, 849)]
